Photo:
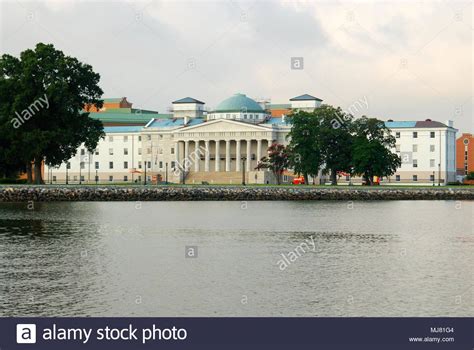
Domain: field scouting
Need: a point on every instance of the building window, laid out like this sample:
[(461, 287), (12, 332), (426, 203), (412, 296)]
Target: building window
[(415, 148), (68, 165), (415, 134), (432, 178), (139, 151), (111, 139), (97, 165), (415, 163), (54, 178), (432, 163), (96, 152), (432, 148), (432, 134), (75, 177), (125, 165), (172, 150), (82, 178), (139, 137), (111, 165), (125, 138), (111, 151), (111, 178), (148, 137), (125, 151), (161, 165), (139, 178), (82, 165), (397, 148), (172, 165), (415, 178), (148, 165), (245, 116), (348, 177), (397, 177), (139, 165), (83, 151), (125, 178), (397, 134)]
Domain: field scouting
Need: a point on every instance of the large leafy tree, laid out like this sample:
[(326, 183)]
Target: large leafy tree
[(372, 155), (277, 161), (335, 140), (304, 148), (42, 94)]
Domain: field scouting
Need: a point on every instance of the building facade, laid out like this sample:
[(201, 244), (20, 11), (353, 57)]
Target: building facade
[(225, 144), (465, 154)]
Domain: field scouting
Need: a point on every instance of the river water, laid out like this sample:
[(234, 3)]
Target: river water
[(390, 258)]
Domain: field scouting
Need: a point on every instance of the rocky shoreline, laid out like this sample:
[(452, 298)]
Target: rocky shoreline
[(223, 193)]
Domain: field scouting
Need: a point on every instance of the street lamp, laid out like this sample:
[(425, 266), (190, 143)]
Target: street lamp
[(243, 170), (67, 176), (439, 174), (144, 182), (80, 173), (166, 176), (433, 178), (96, 176)]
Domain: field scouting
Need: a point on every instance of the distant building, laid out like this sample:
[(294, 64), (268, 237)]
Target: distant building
[(218, 146), (465, 154), (119, 112), (427, 150)]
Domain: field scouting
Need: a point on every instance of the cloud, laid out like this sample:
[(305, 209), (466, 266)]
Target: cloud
[(411, 60)]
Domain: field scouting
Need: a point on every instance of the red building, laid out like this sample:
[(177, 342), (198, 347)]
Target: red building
[(465, 154)]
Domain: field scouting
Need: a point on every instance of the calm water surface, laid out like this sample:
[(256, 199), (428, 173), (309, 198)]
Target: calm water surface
[(396, 258)]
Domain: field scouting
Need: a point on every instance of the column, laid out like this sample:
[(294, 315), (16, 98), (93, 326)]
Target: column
[(218, 156), (249, 155), (176, 152), (259, 150), (227, 155), (207, 159), (197, 156), (238, 157), (186, 156)]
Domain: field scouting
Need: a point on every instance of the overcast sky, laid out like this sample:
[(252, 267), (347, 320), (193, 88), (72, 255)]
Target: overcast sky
[(409, 61)]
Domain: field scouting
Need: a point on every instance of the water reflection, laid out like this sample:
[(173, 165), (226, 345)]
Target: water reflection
[(120, 259)]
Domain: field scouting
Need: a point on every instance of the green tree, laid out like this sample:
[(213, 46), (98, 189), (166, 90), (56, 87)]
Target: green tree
[(372, 155), (277, 161), (335, 140), (304, 148), (42, 94)]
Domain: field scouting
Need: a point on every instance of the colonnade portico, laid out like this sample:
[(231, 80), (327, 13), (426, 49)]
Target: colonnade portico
[(227, 154)]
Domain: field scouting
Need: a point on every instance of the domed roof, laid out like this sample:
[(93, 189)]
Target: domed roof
[(239, 103)]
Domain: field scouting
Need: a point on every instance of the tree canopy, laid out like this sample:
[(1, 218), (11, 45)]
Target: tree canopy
[(42, 94), (277, 161), (331, 140)]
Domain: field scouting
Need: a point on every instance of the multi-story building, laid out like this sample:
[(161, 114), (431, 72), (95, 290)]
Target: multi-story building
[(228, 141), (427, 150), (465, 154)]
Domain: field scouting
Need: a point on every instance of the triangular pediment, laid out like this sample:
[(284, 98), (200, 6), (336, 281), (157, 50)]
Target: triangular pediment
[(223, 125)]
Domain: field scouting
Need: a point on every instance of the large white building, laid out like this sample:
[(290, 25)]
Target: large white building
[(225, 144)]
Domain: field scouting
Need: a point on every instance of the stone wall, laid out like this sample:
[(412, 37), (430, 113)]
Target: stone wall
[(238, 193)]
